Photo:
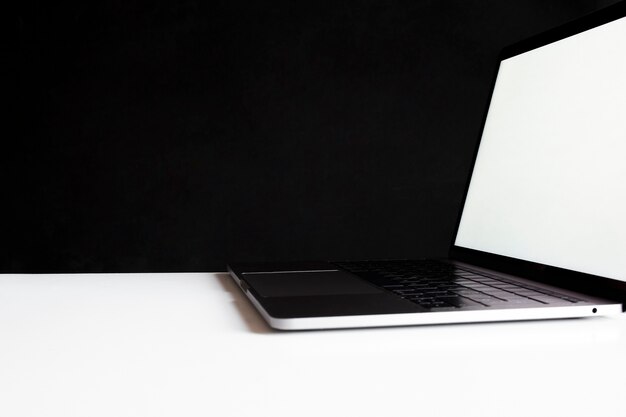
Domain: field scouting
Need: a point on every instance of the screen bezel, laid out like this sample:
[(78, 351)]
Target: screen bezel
[(590, 284)]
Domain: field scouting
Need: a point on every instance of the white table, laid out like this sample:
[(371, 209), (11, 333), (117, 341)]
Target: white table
[(190, 345)]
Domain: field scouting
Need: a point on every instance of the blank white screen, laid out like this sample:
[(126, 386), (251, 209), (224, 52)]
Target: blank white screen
[(549, 183)]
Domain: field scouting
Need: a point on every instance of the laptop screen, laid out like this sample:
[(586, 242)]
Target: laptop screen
[(549, 182)]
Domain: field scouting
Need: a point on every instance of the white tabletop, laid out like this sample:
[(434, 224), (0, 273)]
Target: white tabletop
[(190, 345)]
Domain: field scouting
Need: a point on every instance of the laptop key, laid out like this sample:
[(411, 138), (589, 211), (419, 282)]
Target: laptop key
[(444, 308)]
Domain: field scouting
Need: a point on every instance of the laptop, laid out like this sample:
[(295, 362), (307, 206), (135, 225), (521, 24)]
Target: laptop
[(542, 229)]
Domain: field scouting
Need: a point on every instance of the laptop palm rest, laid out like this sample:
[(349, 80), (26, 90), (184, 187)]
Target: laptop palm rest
[(307, 283)]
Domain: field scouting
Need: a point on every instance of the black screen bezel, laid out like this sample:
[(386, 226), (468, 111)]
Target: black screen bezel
[(591, 284)]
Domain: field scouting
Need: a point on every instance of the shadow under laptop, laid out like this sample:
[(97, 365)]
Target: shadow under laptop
[(251, 318)]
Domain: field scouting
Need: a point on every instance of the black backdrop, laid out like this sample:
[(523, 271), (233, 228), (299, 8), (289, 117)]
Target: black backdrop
[(176, 136)]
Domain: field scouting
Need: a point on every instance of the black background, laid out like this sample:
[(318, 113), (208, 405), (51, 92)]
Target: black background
[(178, 136)]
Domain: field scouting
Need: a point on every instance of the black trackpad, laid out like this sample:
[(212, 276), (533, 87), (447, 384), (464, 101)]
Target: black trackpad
[(308, 283)]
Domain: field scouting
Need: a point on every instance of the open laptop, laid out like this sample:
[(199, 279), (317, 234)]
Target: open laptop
[(542, 230)]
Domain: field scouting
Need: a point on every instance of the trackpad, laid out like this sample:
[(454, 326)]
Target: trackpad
[(308, 283)]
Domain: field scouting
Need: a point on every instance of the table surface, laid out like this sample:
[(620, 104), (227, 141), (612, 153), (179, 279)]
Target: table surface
[(192, 345)]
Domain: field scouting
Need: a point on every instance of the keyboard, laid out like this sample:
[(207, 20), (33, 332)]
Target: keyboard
[(440, 286)]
